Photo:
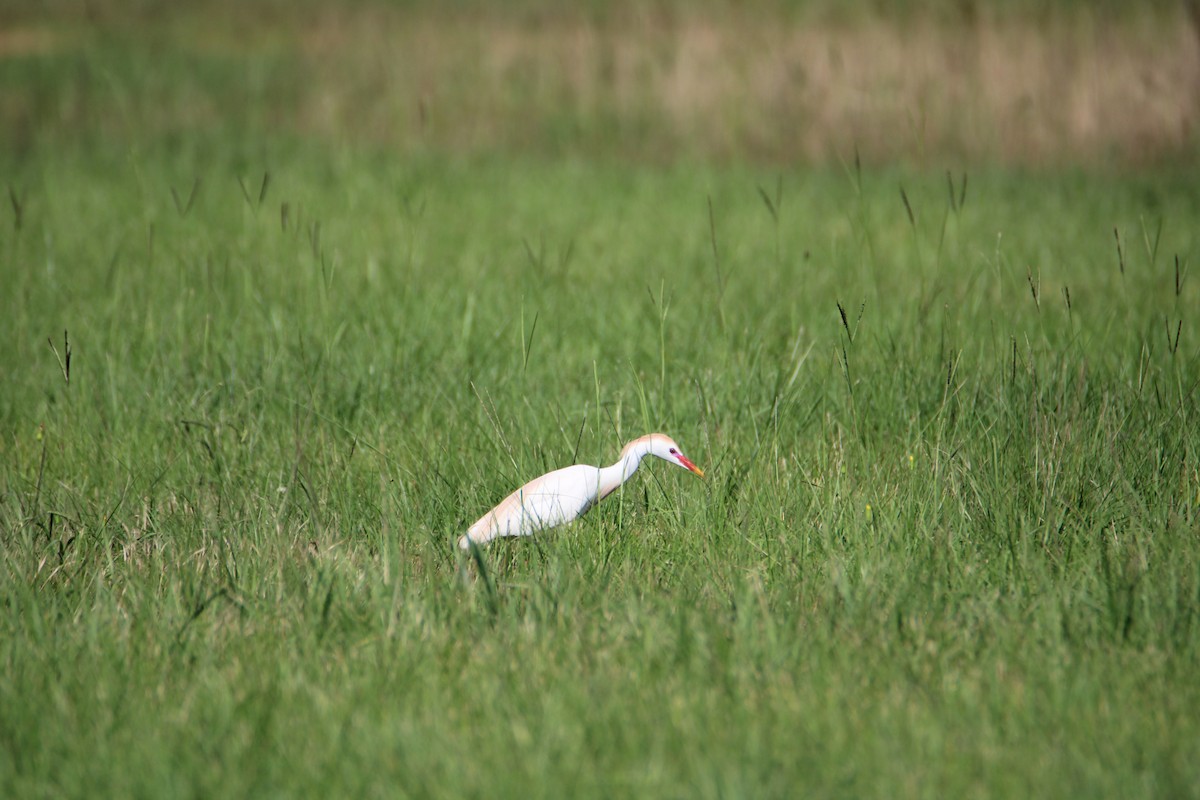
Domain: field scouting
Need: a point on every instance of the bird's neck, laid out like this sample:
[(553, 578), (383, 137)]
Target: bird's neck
[(612, 477)]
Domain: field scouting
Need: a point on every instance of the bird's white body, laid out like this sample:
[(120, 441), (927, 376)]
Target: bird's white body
[(566, 494)]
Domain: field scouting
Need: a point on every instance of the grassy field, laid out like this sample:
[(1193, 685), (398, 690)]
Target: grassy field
[(255, 386), (947, 548)]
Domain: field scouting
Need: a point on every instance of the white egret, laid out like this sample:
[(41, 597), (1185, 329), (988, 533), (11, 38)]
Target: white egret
[(565, 494)]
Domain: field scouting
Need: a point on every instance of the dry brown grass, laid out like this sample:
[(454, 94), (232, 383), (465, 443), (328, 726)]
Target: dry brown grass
[(720, 84)]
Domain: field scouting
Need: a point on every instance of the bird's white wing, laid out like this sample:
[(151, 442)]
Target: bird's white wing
[(553, 499)]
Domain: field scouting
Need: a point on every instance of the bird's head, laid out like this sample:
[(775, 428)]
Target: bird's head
[(665, 448)]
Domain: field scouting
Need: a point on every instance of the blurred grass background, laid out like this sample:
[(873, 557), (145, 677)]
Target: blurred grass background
[(773, 82)]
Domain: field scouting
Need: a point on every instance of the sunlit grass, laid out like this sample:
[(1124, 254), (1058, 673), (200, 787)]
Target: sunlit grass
[(947, 544)]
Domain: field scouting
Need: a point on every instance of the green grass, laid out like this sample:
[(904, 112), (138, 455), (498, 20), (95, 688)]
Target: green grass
[(947, 549), (949, 540)]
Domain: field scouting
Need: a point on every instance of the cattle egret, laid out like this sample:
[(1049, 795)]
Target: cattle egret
[(565, 494)]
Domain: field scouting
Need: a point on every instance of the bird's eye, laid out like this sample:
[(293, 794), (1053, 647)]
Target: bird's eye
[(674, 452)]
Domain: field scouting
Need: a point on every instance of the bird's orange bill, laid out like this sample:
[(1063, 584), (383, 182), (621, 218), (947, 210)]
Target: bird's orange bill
[(687, 463)]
